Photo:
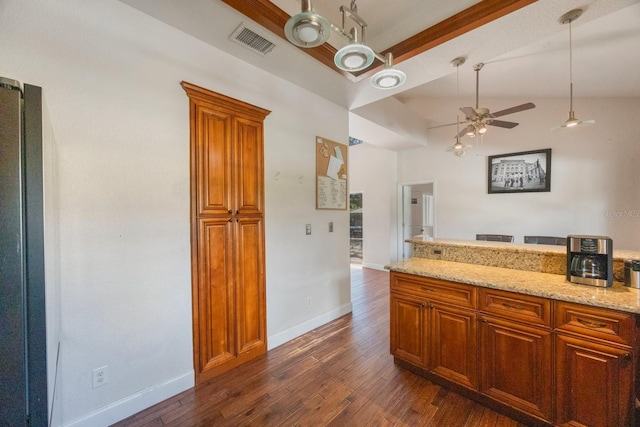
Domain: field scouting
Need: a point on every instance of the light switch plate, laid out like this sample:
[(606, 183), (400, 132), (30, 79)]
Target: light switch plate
[(308, 229), (331, 227)]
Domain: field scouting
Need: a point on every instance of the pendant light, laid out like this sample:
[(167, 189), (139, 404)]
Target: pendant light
[(572, 121), (459, 147), (389, 77), (355, 56), (307, 28)]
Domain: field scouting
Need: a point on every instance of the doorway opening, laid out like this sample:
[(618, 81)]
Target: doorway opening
[(417, 215), (355, 227)]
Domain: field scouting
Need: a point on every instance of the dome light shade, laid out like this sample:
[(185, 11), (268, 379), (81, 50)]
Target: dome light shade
[(307, 28), (354, 57), (389, 77)]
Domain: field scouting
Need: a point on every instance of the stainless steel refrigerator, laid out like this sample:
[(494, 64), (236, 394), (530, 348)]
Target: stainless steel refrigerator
[(23, 362)]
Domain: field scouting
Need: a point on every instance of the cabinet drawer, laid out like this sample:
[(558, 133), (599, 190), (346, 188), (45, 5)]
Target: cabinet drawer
[(595, 322), (434, 289), (514, 306)]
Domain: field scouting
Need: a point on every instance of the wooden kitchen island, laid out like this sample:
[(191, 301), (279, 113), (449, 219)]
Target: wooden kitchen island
[(527, 343)]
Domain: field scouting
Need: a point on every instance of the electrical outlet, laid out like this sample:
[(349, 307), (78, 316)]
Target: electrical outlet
[(308, 229), (331, 227), (308, 301), (100, 376)]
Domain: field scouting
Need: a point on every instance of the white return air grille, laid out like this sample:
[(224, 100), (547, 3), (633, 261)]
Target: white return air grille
[(250, 39)]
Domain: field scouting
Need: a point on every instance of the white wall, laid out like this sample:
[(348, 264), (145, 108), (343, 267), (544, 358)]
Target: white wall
[(594, 179), (111, 77), (372, 171)]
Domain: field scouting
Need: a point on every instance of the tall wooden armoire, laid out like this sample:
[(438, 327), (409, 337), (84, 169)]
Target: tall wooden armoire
[(227, 231)]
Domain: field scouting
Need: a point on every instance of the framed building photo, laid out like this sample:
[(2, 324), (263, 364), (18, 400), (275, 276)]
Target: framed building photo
[(524, 172)]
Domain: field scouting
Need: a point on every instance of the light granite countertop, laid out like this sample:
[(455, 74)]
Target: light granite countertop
[(620, 254), (553, 286)]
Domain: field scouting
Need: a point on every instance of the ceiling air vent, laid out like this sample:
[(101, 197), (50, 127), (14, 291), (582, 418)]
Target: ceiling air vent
[(250, 39)]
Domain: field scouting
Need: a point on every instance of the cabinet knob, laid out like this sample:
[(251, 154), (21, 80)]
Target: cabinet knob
[(230, 211), (626, 357), (237, 212), (230, 219)]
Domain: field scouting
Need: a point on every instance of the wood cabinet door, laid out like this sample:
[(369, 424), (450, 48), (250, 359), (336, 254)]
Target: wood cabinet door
[(214, 338), (515, 365), (250, 286), (408, 329), (593, 383), (213, 161), (453, 344), (248, 180)]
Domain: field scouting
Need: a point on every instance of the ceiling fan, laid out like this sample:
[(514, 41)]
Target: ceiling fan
[(478, 118)]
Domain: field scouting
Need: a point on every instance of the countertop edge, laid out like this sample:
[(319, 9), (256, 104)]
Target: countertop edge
[(546, 285)]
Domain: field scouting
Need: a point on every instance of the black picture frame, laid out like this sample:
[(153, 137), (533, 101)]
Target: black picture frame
[(523, 172)]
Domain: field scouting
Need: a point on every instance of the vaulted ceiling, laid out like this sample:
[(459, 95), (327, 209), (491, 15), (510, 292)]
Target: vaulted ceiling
[(521, 41)]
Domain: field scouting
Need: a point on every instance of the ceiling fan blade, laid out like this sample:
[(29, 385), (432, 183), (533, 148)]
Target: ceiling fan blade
[(441, 126), (527, 106), (502, 124), (468, 111)]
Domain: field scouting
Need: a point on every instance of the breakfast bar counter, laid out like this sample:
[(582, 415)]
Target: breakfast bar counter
[(502, 324), (553, 286)]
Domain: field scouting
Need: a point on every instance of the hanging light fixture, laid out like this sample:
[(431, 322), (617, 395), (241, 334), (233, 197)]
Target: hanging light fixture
[(355, 56), (309, 29), (389, 77), (572, 121), (459, 147)]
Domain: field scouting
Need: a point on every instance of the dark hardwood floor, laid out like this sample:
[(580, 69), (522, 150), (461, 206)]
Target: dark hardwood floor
[(340, 374)]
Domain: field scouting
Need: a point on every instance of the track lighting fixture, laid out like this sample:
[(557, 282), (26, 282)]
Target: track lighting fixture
[(309, 29), (355, 56), (389, 77)]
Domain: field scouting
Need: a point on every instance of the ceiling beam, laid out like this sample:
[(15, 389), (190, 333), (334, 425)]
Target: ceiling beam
[(273, 19)]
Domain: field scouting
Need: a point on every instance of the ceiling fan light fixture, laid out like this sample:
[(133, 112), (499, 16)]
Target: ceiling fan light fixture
[(355, 56), (389, 77), (481, 128), (307, 28)]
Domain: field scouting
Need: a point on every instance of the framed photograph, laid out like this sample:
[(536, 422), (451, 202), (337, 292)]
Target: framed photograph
[(525, 172)]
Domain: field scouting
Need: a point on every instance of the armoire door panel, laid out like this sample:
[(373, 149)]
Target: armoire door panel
[(227, 235), (215, 293), (249, 178), (250, 284), (214, 169)]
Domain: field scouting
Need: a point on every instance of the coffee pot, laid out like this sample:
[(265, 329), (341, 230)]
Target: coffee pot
[(589, 260)]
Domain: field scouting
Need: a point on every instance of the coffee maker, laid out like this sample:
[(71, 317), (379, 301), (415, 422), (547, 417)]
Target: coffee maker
[(590, 260)]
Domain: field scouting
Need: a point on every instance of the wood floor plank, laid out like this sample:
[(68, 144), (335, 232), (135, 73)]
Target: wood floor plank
[(339, 374)]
